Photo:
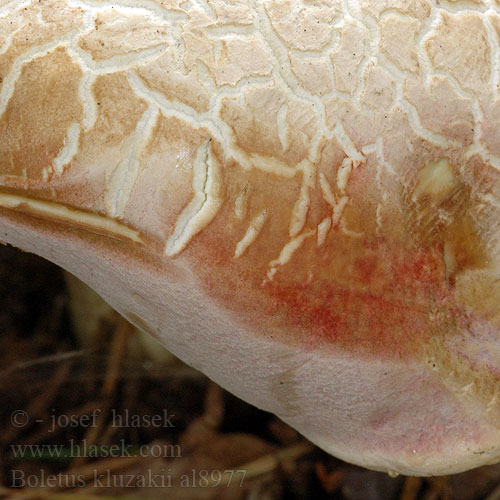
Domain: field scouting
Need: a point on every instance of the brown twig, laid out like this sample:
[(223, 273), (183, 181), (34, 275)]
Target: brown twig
[(330, 481), (118, 350), (411, 488), (266, 464), (37, 406), (53, 428), (495, 494), (213, 413), (440, 489)]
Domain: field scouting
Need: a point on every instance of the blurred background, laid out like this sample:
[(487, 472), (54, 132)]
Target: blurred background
[(91, 408)]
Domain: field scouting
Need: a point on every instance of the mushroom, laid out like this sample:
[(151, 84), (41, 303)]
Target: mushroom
[(301, 200)]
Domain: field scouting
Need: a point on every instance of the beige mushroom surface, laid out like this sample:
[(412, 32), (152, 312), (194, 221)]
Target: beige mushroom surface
[(300, 198)]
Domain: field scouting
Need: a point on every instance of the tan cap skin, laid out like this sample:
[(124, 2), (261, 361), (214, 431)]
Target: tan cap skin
[(300, 199)]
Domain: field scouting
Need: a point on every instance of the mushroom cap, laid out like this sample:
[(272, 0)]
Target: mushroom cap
[(301, 201)]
